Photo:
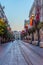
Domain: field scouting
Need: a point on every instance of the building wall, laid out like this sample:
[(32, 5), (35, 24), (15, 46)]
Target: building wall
[(26, 22), (33, 9), (41, 34), (41, 16), (17, 35), (2, 14)]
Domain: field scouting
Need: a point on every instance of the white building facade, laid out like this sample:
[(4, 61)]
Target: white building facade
[(17, 35)]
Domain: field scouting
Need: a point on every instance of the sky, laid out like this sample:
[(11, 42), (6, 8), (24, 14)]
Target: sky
[(17, 11)]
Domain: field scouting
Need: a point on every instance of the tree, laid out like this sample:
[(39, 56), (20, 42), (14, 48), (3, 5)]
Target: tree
[(31, 31), (3, 27)]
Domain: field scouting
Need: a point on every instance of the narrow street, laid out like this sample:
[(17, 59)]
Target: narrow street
[(20, 53), (21, 32)]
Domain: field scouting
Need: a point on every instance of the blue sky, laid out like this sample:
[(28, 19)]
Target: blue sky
[(17, 11)]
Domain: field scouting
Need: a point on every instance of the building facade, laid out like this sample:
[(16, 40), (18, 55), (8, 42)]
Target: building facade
[(26, 23), (37, 3), (17, 35), (33, 9), (2, 14)]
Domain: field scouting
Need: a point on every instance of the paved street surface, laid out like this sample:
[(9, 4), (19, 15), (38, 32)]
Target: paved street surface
[(20, 53)]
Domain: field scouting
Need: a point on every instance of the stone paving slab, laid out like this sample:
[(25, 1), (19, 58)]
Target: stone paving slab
[(34, 58), (13, 55), (35, 48)]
